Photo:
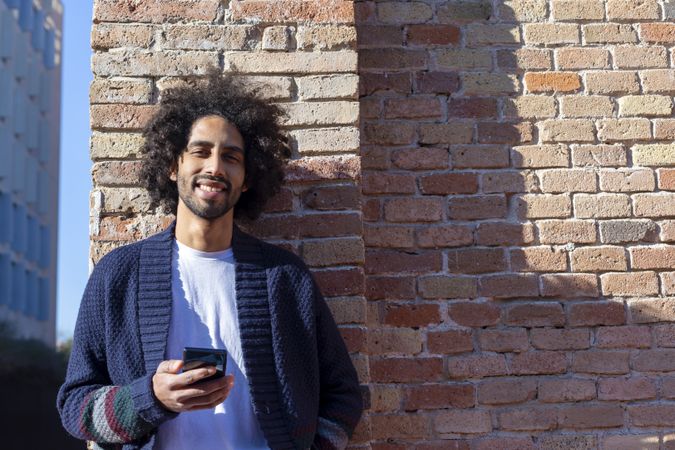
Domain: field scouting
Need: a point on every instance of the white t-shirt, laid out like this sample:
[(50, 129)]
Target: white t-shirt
[(204, 314)]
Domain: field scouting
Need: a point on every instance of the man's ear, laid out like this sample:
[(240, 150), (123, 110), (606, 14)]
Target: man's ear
[(172, 172)]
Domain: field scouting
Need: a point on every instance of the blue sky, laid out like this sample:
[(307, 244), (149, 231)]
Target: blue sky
[(75, 180)]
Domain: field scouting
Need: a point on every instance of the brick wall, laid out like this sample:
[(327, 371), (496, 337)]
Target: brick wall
[(497, 240)]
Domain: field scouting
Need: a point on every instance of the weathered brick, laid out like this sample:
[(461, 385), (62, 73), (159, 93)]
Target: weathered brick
[(560, 339), (591, 416), (330, 252), (436, 82), (116, 35), (661, 257), (504, 392), (120, 117), (444, 236), (523, 59), (476, 260), (631, 10), (130, 91), (659, 81), (567, 180), (567, 130), (479, 157), (623, 337), (529, 107), (566, 390), (445, 133), (609, 33), (114, 145), (504, 341), (393, 261), (656, 360), (538, 259), (409, 315), (278, 37), (665, 335), (413, 108), (156, 12), (551, 34), (448, 287), (428, 35), (384, 398), (450, 341), (598, 259), (394, 12), (439, 396), (628, 442), (586, 106), (123, 200), (391, 58), (654, 155), (612, 82), (624, 231), (566, 231), (463, 421), (509, 181), (666, 179), (525, 419), (479, 35), (599, 155), (542, 206), (153, 63), (116, 173), (476, 366), (645, 105), (601, 206), (472, 107), (651, 415), (472, 314), (463, 58), (477, 207), (348, 309), (399, 426), (294, 62), (576, 441), (569, 285), (627, 180), (601, 362), (387, 134), (509, 286), (332, 198), (539, 314), (211, 37), (371, 83), (624, 129), (330, 11), (413, 210), (668, 283), (463, 11), (394, 341), (388, 183), (654, 205), (552, 82), (504, 233), (667, 231), (629, 284), (483, 83), (594, 314), (650, 310), (571, 10), (405, 370), (634, 57), (582, 58), (326, 37), (320, 113), (538, 363), (522, 10), (539, 156), (422, 158)]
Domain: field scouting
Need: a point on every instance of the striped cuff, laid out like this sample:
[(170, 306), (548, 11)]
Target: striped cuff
[(331, 435)]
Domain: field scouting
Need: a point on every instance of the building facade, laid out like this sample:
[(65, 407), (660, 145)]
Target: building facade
[(30, 72)]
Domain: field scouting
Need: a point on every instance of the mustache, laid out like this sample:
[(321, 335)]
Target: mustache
[(221, 180)]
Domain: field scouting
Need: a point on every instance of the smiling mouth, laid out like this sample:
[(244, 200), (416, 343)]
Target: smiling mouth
[(210, 185)]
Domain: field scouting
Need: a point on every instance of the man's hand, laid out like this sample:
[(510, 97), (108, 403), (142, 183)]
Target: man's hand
[(179, 393)]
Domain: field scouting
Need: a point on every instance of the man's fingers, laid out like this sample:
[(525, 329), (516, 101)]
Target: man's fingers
[(214, 393), (170, 366), (195, 375)]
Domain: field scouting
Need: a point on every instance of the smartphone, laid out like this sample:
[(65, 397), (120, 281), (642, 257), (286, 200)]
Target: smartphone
[(194, 358)]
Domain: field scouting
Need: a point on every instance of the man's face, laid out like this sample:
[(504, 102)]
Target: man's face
[(210, 172)]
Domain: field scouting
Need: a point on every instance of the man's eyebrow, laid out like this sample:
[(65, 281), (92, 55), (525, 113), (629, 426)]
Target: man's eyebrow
[(210, 144)]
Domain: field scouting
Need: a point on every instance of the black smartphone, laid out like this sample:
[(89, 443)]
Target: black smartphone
[(194, 358)]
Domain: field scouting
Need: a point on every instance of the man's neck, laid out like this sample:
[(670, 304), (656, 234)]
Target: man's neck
[(206, 235)]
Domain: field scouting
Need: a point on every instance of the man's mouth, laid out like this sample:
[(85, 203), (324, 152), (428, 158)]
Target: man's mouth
[(208, 185)]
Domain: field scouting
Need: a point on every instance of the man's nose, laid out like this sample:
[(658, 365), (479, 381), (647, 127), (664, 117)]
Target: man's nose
[(215, 165)]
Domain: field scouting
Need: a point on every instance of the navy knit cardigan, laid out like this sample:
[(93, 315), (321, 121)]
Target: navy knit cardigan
[(304, 388)]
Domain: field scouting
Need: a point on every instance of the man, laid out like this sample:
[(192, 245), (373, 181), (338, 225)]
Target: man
[(211, 153)]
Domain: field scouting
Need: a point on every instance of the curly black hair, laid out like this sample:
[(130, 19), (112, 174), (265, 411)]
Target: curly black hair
[(167, 133)]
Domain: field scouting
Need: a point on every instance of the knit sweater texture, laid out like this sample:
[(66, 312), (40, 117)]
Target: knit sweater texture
[(304, 388)]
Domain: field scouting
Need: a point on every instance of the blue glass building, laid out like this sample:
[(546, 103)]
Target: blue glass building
[(30, 79)]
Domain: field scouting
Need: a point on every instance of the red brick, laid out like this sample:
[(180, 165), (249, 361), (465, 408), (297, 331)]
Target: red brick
[(155, 11), (449, 183), (508, 181), (652, 415), (509, 286), (594, 314), (413, 108), (116, 173), (477, 207), (635, 388), (355, 339), (282, 202), (413, 210), (422, 158), (569, 285), (463, 421), (471, 314), (666, 179), (505, 443), (657, 360), (383, 261), (538, 259), (439, 396), (388, 134), (448, 287), (504, 340), (538, 363), (591, 416), (665, 335), (370, 108), (120, 117), (476, 366), (535, 315), (623, 337), (476, 260), (411, 315), (330, 225), (552, 81), (388, 183), (445, 444), (275, 11), (566, 390), (392, 58), (340, 282), (378, 35), (388, 236), (473, 108), (606, 258), (560, 338), (629, 284), (447, 133), (371, 83), (504, 133), (601, 362), (397, 287), (450, 341), (436, 82), (661, 257), (526, 419), (479, 157), (658, 32), (406, 370), (504, 233), (444, 236), (668, 387), (503, 392), (399, 426), (427, 35)]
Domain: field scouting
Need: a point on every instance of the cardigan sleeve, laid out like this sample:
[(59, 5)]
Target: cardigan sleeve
[(340, 402), (90, 405)]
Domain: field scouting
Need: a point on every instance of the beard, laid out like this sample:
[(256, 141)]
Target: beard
[(204, 208)]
